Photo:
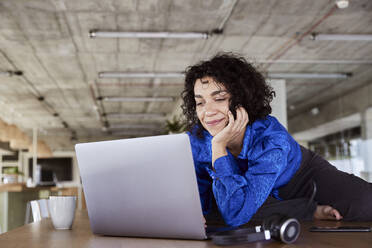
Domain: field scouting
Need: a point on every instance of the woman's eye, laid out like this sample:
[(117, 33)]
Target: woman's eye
[(220, 99), (198, 103)]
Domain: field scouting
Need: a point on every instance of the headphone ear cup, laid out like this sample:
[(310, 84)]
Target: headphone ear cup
[(282, 228)]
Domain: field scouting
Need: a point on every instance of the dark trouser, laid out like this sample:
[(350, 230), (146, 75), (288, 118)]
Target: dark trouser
[(350, 195)]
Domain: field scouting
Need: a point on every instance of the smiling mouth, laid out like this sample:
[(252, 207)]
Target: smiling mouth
[(214, 122)]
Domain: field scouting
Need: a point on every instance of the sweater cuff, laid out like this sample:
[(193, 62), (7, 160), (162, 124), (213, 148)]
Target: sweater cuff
[(225, 166)]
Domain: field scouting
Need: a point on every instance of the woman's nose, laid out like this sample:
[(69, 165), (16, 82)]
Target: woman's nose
[(209, 113), (209, 109)]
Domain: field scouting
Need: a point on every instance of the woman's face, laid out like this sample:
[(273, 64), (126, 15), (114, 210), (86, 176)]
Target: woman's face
[(212, 104)]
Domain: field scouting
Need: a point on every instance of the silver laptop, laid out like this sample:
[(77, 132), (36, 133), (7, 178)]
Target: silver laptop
[(144, 187)]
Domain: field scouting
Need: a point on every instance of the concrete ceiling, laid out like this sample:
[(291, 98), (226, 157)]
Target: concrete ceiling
[(49, 42)]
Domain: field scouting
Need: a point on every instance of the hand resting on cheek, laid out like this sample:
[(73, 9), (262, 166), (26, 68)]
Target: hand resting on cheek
[(231, 135)]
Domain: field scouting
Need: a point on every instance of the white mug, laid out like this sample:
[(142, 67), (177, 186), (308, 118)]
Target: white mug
[(62, 211)]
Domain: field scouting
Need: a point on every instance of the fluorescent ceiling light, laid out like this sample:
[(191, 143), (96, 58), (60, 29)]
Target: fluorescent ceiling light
[(137, 133), (5, 73), (140, 75), (309, 75), (344, 37), (138, 99), (134, 126), (135, 115), (11, 73), (151, 35), (312, 61), (342, 4)]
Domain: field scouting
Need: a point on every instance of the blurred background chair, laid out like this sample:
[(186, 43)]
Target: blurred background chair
[(39, 210)]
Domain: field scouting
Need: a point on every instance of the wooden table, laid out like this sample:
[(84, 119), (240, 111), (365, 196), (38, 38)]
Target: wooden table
[(42, 234)]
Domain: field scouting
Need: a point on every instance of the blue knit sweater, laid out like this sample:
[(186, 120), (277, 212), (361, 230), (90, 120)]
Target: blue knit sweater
[(240, 185)]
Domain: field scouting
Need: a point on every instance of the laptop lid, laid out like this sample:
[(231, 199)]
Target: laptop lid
[(144, 187)]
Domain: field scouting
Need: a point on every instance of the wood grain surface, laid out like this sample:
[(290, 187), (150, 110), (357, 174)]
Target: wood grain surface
[(42, 234)]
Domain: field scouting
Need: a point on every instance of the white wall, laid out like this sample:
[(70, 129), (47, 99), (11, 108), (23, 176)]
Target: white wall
[(279, 103), (366, 124)]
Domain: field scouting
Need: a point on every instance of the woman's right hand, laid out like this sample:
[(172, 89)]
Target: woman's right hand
[(229, 134), (233, 129)]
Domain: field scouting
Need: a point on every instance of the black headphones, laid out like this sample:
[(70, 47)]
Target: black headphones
[(277, 226)]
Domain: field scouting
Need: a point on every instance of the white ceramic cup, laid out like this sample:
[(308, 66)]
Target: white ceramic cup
[(62, 211)]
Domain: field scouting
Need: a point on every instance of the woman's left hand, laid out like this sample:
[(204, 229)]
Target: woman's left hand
[(325, 212)]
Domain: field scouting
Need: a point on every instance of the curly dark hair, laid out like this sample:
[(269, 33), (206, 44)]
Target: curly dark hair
[(245, 84)]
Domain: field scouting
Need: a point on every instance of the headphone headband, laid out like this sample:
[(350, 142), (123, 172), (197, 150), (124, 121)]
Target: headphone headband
[(241, 236)]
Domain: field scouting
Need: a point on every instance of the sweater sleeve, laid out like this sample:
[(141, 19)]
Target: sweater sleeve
[(240, 194)]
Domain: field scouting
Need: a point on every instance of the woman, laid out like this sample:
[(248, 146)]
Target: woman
[(243, 155)]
